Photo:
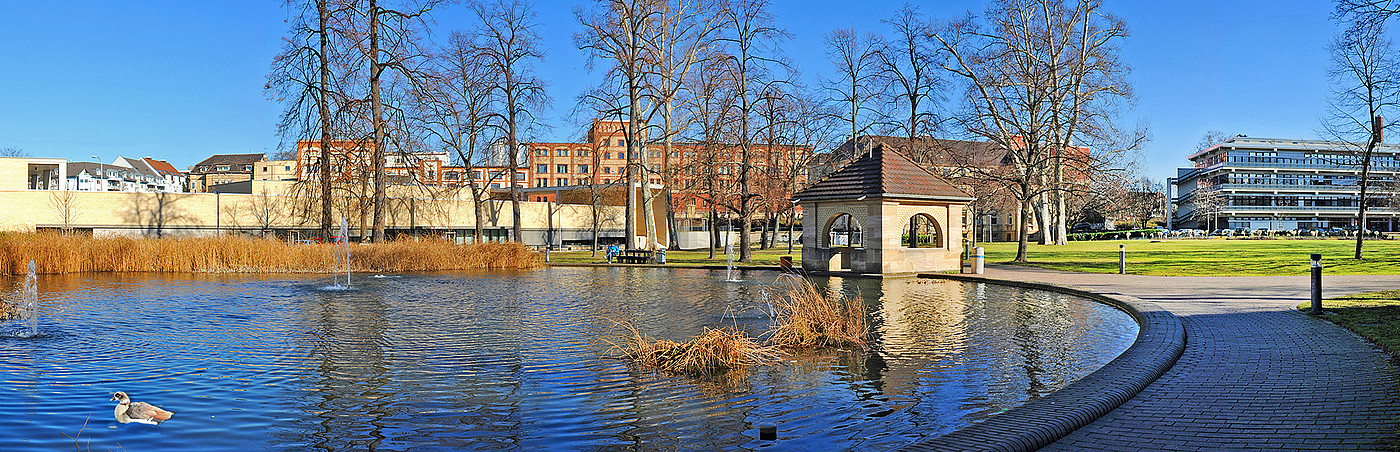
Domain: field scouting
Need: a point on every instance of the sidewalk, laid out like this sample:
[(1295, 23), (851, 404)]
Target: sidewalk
[(1255, 373)]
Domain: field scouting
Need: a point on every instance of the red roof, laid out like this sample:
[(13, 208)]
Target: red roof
[(885, 174), (161, 166)]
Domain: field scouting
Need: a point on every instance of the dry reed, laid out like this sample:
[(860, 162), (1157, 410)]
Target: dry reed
[(807, 318), (713, 352), (59, 253)]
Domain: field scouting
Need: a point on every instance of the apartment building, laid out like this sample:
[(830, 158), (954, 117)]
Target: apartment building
[(350, 161), (222, 169), (1285, 184), (698, 172)]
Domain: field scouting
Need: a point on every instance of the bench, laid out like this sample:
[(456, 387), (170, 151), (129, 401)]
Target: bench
[(634, 257)]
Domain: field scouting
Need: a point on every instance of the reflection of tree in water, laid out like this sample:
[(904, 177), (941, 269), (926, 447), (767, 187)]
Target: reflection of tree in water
[(351, 402)]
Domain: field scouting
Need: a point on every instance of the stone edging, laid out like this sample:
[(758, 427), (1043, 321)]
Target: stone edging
[(1035, 424)]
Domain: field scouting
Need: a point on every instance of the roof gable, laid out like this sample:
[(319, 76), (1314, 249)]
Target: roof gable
[(882, 173)]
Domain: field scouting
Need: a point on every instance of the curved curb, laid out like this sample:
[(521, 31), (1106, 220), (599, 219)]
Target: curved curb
[(1037, 423)]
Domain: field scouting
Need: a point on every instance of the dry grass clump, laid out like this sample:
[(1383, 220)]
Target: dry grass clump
[(807, 318), (713, 352), (62, 253)]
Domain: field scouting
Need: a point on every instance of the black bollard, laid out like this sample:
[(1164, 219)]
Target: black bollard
[(767, 432), (1316, 284)]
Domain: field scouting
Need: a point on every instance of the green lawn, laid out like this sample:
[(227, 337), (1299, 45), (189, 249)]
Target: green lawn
[(1209, 257), (701, 257), (1375, 316)]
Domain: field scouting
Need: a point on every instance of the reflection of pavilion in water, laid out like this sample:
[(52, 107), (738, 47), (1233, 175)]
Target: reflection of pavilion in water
[(924, 331)]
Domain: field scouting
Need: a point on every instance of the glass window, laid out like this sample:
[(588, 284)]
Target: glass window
[(541, 168), (583, 169), (541, 152), (541, 182), (561, 182), (581, 153), (561, 152), (561, 168), (607, 170)]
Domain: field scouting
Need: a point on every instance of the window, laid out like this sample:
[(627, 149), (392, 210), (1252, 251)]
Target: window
[(583, 181), (248, 168), (607, 170), (654, 154), (583, 169), (561, 168), (541, 152), (266, 169), (844, 231), (561, 182), (561, 152), (221, 168), (287, 168), (621, 143), (581, 153), (541, 182), (541, 168)]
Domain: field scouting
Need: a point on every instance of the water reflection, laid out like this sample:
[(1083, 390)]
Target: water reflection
[(515, 360)]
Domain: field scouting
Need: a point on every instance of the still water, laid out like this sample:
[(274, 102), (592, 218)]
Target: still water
[(518, 361)]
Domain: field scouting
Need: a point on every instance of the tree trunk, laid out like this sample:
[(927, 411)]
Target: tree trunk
[(377, 69), (1023, 228), (323, 105)]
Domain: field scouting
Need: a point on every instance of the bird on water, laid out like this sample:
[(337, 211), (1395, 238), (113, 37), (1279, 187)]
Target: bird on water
[(142, 412)]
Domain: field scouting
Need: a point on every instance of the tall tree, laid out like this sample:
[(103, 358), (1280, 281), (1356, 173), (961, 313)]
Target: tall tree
[(909, 67), (302, 76), (1366, 83), (751, 41), (453, 111), (510, 49), (1043, 82), (854, 87)]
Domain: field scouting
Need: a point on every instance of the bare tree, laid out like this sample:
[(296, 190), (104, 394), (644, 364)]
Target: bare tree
[(65, 207), (453, 111), (509, 49), (13, 152), (751, 39), (391, 48), (1366, 83), (1043, 80), (856, 83), (909, 67)]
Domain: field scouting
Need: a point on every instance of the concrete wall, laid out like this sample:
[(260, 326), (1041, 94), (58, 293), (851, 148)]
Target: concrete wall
[(272, 206)]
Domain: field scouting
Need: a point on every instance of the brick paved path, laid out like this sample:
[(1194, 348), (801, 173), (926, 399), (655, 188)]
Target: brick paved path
[(1255, 374)]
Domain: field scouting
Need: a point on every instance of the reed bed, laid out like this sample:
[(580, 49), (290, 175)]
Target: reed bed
[(808, 319), (805, 318), (59, 253), (713, 352)]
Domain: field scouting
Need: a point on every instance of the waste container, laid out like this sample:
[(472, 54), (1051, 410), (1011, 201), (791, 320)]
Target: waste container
[(660, 256)]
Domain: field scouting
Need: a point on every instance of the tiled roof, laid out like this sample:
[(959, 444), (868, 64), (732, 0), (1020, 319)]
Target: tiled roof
[(882, 173), (232, 159), (161, 166)]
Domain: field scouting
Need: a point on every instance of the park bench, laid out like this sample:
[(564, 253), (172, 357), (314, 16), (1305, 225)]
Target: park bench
[(634, 257)]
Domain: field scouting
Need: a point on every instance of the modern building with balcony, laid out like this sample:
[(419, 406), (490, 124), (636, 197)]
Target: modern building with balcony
[(1283, 184)]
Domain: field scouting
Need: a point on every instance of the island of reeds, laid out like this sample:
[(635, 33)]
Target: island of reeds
[(804, 318), (56, 253)]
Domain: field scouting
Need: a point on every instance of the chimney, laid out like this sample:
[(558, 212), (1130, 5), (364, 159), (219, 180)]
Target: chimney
[(1378, 129)]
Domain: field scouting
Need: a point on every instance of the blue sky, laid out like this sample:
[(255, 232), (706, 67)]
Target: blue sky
[(182, 80)]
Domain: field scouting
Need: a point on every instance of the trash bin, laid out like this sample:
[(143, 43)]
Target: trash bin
[(660, 256)]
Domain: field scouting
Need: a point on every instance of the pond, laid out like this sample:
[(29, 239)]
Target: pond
[(518, 360)]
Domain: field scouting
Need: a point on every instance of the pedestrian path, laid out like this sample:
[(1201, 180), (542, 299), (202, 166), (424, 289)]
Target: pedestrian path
[(1255, 373)]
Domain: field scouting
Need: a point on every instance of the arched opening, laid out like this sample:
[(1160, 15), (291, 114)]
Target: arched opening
[(922, 232), (844, 231)]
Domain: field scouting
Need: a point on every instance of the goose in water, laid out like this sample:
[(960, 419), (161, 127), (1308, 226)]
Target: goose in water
[(145, 413)]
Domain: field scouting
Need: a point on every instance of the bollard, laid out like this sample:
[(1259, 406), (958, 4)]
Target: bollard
[(977, 260), (1122, 260), (767, 432), (1316, 284), (546, 254)]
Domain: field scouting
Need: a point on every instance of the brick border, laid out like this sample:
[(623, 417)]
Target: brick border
[(1161, 341)]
